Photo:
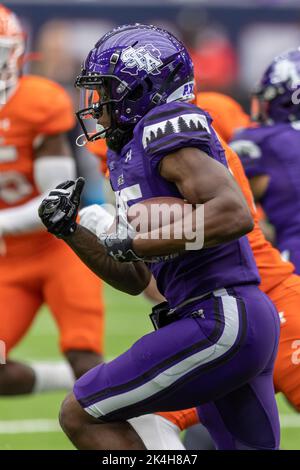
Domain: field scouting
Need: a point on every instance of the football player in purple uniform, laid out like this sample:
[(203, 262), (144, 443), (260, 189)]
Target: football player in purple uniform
[(270, 151), (216, 339)]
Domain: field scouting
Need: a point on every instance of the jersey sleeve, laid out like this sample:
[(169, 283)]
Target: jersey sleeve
[(59, 113), (251, 156), (172, 127)]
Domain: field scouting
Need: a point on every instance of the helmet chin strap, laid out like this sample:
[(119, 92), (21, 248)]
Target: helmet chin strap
[(118, 138)]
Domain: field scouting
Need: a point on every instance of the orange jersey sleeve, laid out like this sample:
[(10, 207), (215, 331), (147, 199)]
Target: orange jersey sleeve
[(53, 110), (227, 114)]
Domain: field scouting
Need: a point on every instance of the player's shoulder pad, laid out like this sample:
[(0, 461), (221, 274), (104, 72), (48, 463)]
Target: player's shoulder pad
[(173, 122), (44, 101), (42, 83), (42, 93)]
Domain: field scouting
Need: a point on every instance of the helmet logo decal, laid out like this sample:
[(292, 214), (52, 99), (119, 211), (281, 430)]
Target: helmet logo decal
[(193, 122), (143, 58), (285, 70)]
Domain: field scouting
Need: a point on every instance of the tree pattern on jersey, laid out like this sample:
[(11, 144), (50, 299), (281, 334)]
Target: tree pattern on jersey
[(183, 124)]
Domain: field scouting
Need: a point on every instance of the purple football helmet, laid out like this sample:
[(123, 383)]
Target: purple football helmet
[(130, 70), (277, 96)]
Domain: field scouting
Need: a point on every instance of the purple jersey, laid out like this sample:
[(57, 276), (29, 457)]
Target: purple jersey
[(274, 151), (135, 177)]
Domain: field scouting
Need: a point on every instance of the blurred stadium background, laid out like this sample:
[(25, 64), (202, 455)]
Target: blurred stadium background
[(231, 42)]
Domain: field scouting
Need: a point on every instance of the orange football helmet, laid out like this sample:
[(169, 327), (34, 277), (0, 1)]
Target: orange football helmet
[(12, 46)]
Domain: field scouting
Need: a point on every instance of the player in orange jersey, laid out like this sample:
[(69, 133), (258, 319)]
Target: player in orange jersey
[(278, 281), (283, 287), (35, 114), (228, 116)]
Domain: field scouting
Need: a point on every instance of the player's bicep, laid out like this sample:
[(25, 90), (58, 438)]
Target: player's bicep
[(198, 177)]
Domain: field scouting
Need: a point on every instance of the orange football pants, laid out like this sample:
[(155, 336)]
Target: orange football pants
[(286, 298), (56, 276)]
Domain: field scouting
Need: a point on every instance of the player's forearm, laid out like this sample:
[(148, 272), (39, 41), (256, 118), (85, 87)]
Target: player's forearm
[(218, 221), (226, 219), (21, 219), (131, 278)]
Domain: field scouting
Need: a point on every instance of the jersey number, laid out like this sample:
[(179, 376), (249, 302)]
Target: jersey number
[(14, 187), (122, 198)]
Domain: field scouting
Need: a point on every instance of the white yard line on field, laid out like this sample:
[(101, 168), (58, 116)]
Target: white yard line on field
[(50, 360), (289, 421), (52, 425), (29, 426)]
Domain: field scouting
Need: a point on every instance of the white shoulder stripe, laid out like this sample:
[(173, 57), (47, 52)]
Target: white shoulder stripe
[(152, 132)]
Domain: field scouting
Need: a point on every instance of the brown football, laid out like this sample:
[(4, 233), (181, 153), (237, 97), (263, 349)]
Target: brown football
[(154, 213)]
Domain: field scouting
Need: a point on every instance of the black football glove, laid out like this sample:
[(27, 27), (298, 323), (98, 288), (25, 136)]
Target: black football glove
[(121, 249), (58, 211)]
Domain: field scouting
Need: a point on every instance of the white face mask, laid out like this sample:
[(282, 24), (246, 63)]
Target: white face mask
[(10, 52), (100, 128), (81, 139)]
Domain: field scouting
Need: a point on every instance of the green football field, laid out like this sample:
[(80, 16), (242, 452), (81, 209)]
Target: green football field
[(31, 422)]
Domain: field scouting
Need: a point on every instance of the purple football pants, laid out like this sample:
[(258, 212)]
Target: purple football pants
[(218, 356)]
